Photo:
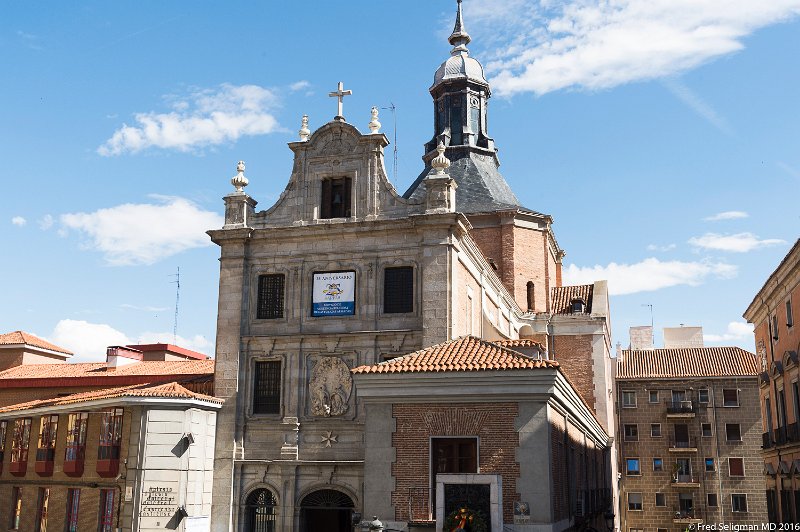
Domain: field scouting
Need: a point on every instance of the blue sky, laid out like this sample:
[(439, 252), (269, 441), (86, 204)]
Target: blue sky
[(661, 136)]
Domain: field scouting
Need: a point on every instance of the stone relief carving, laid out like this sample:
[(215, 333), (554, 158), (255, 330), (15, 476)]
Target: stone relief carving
[(330, 387)]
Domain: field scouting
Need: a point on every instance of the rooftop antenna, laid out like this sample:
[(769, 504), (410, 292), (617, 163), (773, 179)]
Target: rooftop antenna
[(177, 282), (393, 109), (651, 312)]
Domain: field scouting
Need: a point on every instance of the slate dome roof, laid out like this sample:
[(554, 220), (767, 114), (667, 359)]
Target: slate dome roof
[(460, 66)]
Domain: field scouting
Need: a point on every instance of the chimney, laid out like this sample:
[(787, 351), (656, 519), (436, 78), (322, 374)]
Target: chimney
[(683, 337), (118, 356), (641, 337)]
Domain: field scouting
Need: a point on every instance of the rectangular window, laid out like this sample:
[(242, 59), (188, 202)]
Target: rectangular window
[(739, 502), (48, 432), (452, 455), (41, 509), (702, 395), (20, 440), (634, 501), (658, 464), (73, 505), (706, 427), (653, 396), (16, 508), (3, 429), (267, 388), (398, 290), (655, 430), (76, 436), (733, 432), (270, 296), (711, 498), (110, 434), (661, 499), (710, 464), (632, 467), (775, 327), (736, 467), (336, 197), (629, 399), (730, 398), (789, 316), (631, 433), (105, 518)]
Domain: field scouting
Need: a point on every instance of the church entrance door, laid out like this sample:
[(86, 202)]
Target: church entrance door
[(327, 510)]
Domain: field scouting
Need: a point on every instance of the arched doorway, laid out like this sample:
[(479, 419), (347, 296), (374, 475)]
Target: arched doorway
[(259, 511), (327, 510)]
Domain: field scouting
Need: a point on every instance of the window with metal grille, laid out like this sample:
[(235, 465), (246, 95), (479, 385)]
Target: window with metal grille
[(41, 512), (16, 508), (261, 511), (19, 444), (270, 296), (110, 435), (48, 431), (106, 513), (267, 388), (398, 290), (336, 198), (73, 504), (76, 436)]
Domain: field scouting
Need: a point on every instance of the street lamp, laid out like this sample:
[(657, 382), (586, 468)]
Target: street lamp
[(609, 515)]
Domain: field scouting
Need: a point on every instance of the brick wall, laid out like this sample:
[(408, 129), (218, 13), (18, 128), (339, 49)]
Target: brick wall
[(498, 439), (574, 354)]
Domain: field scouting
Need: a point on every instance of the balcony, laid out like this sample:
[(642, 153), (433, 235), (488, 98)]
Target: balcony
[(766, 440), (45, 457), (18, 468), (690, 516), (73, 460), (683, 445), (682, 481), (681, 408), (108, 460)]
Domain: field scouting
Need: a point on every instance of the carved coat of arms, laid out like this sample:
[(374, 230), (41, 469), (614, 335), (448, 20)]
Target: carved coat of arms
[(330, 387)]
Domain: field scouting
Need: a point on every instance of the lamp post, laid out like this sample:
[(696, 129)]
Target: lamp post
[(609, 515)]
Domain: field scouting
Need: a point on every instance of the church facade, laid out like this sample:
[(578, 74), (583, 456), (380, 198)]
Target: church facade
[(344, 272)]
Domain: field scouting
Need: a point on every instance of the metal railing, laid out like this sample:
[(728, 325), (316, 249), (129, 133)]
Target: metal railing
[(681, 407), (688, 443)]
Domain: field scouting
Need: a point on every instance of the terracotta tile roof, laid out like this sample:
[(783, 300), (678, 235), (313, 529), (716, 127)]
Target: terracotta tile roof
[(522, 342), (170, 390), (563, 295), (462, 354), (100, 369), (23, 338), (687, 362)]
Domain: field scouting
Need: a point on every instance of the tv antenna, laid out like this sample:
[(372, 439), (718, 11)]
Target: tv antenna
[(651, 312), (177, 282), (393, 109)]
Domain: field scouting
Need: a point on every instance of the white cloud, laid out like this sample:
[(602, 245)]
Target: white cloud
[(655, 247), (144, 233), (299, 85), (87, 340), (204, 118), (19, 221), (543, 46), (648, 275), (738, 243), (46, 222), (736, 331), (726, 215), (698, 105)]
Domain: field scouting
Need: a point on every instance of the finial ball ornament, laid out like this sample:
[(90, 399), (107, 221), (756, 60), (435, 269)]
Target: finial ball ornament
[(440, 163), (239, 181)]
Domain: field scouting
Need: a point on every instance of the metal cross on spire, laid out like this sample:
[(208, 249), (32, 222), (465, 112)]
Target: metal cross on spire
[(340, 94)]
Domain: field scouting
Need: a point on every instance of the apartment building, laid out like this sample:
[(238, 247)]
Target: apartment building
[(689, 438)]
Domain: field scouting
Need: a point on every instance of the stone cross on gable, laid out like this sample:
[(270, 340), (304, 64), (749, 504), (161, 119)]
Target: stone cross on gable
[(340, 94)]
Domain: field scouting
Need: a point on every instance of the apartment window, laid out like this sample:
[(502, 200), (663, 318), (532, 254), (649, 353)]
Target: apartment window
[(655, 430), (110, 442), (75, 451), (736, 467), (661, 530), (19, 446), (710, 464), (661, 499), (41, 509), (632, 467), (629, 399), (73, 505), (730, 398), (106, 513), (46, 451), (789, 316), (775, 327), (702, 395), (336, 197), (270, 296), (706, 428), (631, 433), (16, 508), (658, 464), (267, 388), (653, 396), (739, 502), (453, 455), (3, 428), (733, 432), (398, 290), (711, 499), (634, 501)]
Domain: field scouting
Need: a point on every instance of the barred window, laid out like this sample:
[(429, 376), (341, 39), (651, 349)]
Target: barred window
[(270, 296), (336, 198), (398, 290), (267, 388)]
